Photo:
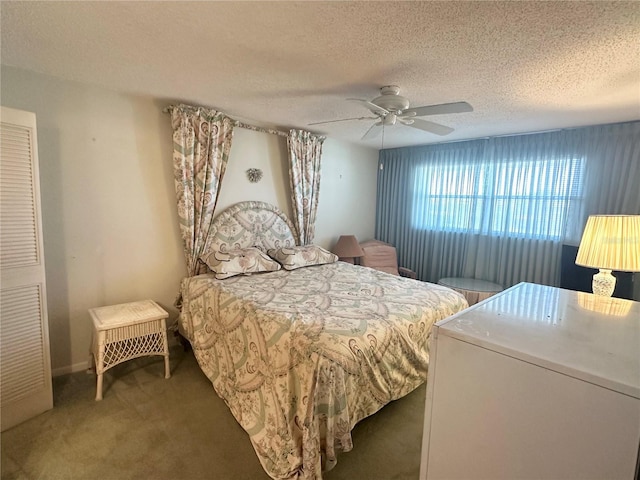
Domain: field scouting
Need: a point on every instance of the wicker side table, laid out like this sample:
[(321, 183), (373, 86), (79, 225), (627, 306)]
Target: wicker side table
[(126, 331)]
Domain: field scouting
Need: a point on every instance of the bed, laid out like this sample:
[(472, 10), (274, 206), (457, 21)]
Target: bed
[(300, 356)]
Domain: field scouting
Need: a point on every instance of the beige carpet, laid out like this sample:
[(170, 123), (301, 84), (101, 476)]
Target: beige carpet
[(151, 428)]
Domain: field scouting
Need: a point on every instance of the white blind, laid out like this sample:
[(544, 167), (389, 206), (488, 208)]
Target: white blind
[(18, 232)]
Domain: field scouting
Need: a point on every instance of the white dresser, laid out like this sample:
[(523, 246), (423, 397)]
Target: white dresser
[(535, 382)]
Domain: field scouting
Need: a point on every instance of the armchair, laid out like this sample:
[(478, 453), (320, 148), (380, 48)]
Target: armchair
[(383, 256)]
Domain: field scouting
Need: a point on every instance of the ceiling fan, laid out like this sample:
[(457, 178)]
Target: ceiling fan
[(391, 108)]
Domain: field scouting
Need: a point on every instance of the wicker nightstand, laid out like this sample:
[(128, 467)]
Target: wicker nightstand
[(126, 331)]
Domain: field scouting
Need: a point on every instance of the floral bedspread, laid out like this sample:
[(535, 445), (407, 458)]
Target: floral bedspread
[(301, 356)]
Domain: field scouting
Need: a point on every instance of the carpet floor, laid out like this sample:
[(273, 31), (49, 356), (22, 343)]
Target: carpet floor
[(149, 427)]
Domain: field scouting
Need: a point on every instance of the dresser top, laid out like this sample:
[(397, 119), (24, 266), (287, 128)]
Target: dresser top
[(593, 338), (124, 314)]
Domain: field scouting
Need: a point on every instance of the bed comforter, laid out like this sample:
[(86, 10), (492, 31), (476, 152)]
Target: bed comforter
[(301, 356)]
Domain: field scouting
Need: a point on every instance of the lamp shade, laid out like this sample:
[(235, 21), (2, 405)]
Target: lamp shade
[(348, 247), (611, 242)]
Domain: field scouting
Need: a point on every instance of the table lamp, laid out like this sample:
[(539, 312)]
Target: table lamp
[(348, 248), (610, 242)]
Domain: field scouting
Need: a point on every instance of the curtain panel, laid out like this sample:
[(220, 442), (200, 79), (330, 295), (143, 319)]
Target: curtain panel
[(305, 154), (499, 209), (201, 144)]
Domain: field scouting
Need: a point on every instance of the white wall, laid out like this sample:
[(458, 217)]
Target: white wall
[(347, 193), (109, 219), (347, 200)]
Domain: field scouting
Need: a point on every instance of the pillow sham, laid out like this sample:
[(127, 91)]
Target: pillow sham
[(239, 261), (301, 256)]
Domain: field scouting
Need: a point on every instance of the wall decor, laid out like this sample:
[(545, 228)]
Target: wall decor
[(254, 175)]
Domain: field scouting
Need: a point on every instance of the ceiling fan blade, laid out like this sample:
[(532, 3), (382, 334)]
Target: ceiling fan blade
[(373, 131), (430, 127), (443, 108), (343, 120), (371, 106)]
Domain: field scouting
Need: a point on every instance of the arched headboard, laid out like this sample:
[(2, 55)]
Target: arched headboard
[(251, 224)]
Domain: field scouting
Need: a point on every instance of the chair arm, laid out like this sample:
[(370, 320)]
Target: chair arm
[(405, 272)]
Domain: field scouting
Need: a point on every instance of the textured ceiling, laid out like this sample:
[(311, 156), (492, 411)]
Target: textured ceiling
[(524, 66)]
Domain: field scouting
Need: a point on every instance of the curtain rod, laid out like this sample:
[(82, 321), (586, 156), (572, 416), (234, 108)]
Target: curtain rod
[(563, 129), (238, 123), (445, 142)]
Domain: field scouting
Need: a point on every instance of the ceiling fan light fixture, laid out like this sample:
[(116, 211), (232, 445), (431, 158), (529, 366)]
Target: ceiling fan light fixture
[(389, 119)]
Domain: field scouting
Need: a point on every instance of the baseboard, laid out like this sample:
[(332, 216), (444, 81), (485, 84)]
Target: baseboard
[(76, 367)]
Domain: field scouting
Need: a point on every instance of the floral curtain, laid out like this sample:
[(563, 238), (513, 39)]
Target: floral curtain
[(201, 143), (305, 152)]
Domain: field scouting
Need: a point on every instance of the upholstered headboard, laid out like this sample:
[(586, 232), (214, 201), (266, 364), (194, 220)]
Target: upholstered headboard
[(251, 224)]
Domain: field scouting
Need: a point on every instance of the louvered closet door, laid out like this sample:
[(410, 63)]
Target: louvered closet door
[(25, 370)]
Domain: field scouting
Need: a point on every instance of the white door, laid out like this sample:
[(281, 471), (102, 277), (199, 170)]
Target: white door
[(25, 368)]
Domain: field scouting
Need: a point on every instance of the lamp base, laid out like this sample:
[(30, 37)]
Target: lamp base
[(603, 283)]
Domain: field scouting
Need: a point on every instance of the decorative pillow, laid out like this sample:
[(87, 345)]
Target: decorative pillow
[(304, 256), (239, 261)]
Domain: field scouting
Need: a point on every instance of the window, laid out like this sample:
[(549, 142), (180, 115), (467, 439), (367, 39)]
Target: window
[(532, 199)]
